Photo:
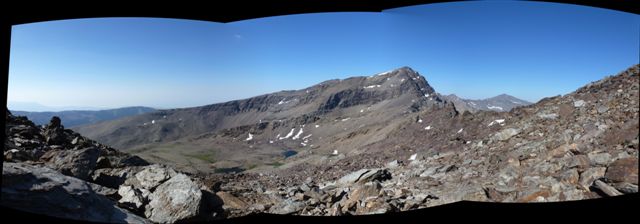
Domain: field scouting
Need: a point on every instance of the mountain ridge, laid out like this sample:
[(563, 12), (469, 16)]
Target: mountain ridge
[(80, 117)]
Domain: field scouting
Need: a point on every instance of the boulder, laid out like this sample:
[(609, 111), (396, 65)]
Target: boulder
[(76, 163), (151, 176), (363, 176), (590, 175), (15, 155), (600, 159), (362, 192), (177, 199), (623, 170), (42, 190), (506, 134), (287, 206), (54, 132), (230, 201), (131, 198), (113, 177)]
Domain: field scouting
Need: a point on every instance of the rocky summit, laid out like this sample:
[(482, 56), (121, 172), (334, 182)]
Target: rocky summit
[(364, 145)]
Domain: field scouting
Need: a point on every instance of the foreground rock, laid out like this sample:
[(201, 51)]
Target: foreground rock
[(178, 199), (75, 163), (43, 190)]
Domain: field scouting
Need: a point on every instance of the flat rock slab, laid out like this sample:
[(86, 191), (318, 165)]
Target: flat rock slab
[(45, 191)]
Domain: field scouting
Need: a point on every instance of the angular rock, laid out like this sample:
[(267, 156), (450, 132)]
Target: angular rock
[(361, 192), (608, 190), (581, 162), (151, 176), (287, 206), (579, 103), (42, 190), (103, 162), (15, 155), (231, 201), (54, 132), (113, 177), (363, 176), (131, 198), (623, 170), (506, 134), (178, 199), (626, 188), (590, 175), (76, 163), (600, 159)]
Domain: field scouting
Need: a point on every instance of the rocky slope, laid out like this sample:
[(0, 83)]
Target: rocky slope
[(254, 133), (73, 118), (579, 146), (54, 171), (499, 103)]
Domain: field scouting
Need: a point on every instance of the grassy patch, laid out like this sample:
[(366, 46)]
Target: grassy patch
[(275, 164), (252, 166), (210, 157)]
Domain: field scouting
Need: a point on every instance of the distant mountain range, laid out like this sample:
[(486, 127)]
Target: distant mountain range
[(500, 103), (72, 118), (37, 107)]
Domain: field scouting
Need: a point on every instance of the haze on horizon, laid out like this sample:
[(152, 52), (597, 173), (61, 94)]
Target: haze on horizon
[(475, 50)]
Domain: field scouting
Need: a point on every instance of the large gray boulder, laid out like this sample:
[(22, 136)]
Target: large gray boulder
[(151, 176), (364, 175), (76, 163), (178, 199), (42, 190)]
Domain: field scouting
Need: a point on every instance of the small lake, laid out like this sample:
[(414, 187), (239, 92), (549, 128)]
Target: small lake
[(289, 153)]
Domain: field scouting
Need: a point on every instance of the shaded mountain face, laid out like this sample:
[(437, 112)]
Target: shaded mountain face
[(500, 103), (345, 114), (72, 118)]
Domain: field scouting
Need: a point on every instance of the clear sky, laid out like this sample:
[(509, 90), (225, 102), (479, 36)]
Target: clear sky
[(476, 50)]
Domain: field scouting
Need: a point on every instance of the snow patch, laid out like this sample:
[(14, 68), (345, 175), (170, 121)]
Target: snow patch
[(305, 137), (297, 135), (499, 121), (426, 95), (317, 126), (516, 102), (494, 107), (288, 135), (346, 119), (153, 121), (428, 127), (250, 137), (413, 157), (459, 131), (362, 110), (270, 142), (472, 103), (335, 152), (371, 86), (302, 143), (419, 120)]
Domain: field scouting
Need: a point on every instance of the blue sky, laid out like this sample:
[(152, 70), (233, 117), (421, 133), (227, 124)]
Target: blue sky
[(476, 50)]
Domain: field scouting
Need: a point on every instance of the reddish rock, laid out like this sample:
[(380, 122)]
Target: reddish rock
[(623, 170)]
